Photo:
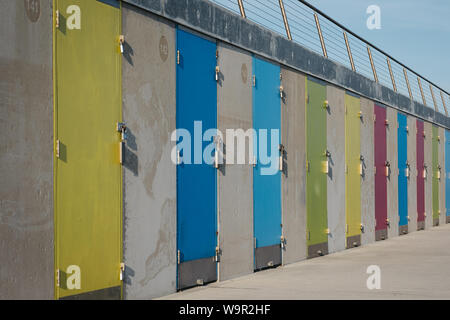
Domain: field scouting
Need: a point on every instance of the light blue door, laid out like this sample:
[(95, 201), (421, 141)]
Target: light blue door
[(266, 174), (196, 177), (402, 167)]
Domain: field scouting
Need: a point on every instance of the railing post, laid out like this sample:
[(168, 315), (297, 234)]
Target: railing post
[(434, 99), (241, 8), (285, 20), (443, 103), (407, 84), (392, 74), (319, 31), (349, 52), (375, 76), (421, 92)]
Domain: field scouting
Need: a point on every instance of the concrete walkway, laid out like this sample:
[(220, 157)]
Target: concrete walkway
[(413, 266)]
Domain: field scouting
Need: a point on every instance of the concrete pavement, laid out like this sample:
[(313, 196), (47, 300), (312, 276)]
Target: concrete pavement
[(413, 266)]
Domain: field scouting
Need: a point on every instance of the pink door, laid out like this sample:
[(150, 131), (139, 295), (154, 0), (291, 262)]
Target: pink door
[(380, 174), (420, 178)]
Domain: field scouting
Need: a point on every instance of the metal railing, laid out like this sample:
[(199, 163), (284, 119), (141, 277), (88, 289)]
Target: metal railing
[(302, 23)]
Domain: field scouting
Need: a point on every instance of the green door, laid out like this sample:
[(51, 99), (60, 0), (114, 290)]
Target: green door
[(317, 168), (436, 175), (88, 193), (353, 170)]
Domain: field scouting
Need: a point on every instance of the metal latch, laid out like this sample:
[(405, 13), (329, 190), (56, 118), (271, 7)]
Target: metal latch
[(121, 42), (282, 95), (218, 253), (217, 73), (387, 165), (283, 242), (281, 149), (122, 271), (122, 129), (178, 157)]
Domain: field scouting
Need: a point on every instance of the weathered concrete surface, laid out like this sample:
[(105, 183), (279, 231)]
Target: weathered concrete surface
[(392, 181), (443, 214), (408, 265), (336, 170), (412, 181), (428, 141), (294, 173), (235, 177), (149, 174), (220, 23), (368, 177), (26, 152)]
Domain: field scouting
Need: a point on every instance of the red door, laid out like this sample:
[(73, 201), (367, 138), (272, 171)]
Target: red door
[(380, 174), (420, 177)]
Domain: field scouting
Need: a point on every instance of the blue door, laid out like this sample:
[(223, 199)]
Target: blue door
[(266, 174), (447, 175), (403, 167), (196, 176)]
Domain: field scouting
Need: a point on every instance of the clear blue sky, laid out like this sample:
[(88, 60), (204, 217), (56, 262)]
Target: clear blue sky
[(415, 32)]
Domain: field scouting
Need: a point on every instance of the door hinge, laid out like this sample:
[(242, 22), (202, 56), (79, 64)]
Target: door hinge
[(57, 18), (178, 257), (254, 80), (374, 118), (178, 56), (254, 243), (58, 143)]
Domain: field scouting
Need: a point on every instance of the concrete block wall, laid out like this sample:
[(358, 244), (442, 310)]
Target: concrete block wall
[(26, 151), (149, 109), (149, 175)]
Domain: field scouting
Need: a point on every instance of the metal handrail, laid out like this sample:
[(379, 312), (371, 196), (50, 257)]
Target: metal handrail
[(277, 19)]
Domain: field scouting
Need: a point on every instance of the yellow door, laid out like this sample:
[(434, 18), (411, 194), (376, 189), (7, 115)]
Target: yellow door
[(88, 192)]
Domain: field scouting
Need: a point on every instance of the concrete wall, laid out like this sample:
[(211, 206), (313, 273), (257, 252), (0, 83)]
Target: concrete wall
[(442, 215), (294, 173), (149, 174), (368, 177), (392, 181), (428, 141), (235, 181), (26, 152), (336, 170), (412, 181)]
